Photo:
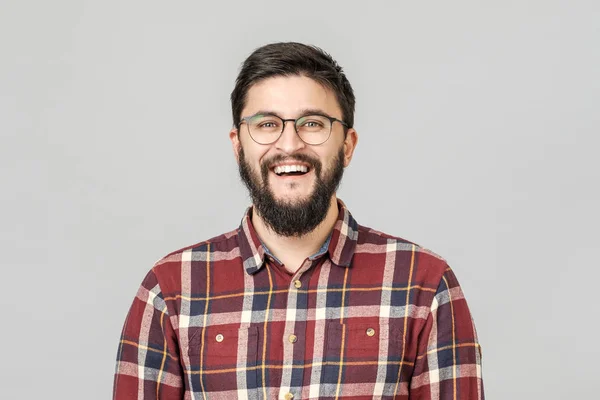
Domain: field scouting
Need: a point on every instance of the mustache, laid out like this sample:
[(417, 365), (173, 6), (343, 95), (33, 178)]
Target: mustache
[(303, 158)]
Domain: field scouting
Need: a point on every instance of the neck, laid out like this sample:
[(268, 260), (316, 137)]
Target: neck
[(293, 250)]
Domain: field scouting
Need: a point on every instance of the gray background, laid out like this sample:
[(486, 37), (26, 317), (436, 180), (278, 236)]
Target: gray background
[(478, 132)]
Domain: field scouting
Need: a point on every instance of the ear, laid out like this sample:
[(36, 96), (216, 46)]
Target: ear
[(350, 143), (235, 142)]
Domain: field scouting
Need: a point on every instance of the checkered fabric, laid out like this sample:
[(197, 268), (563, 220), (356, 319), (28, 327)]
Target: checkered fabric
[(371, 317)]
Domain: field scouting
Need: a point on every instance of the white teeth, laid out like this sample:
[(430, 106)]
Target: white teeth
[(290, 168)]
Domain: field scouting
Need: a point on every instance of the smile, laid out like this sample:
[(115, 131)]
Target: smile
[(284, 170)]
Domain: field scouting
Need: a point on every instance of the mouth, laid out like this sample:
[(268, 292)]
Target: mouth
[(291, 170)]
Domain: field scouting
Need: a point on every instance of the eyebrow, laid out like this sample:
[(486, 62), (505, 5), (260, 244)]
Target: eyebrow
[(304, 112)]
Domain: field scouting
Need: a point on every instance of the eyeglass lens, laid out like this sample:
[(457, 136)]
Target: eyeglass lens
[(312, 129)]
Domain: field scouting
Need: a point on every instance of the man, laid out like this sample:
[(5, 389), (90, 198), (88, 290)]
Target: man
[(299, 302)]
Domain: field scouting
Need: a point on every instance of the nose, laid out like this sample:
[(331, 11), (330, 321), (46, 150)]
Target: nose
[(289, 142)]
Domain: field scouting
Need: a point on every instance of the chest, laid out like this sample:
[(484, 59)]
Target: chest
[(270, 330)]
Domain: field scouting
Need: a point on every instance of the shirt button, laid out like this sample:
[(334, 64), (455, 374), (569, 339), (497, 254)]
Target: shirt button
[(219, 338), (370, 332), (293, 339), (297, 284), (288, 396)]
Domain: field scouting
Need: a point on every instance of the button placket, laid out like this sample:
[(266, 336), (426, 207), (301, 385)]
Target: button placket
[(296, 280), (293, 341)]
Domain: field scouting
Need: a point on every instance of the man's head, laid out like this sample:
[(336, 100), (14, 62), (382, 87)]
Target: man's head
[(293, 112), (289, 59)]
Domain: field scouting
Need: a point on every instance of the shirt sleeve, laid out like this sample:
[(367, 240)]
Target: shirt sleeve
[(448, 364), (148, 364)]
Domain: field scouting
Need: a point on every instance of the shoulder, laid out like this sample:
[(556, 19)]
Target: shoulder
[(367, 235), (168, 267), (425, 264)]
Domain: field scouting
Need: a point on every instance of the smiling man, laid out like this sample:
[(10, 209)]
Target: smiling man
[(300, 301)]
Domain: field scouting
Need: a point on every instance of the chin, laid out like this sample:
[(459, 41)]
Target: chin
[(293, 198)]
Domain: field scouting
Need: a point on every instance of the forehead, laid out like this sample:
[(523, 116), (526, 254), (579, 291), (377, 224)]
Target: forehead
[(288, 96)]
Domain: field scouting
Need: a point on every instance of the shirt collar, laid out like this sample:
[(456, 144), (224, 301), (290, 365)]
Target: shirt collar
[(341, 241)]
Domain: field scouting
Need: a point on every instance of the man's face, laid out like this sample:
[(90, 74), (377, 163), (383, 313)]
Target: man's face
[(292, 204)]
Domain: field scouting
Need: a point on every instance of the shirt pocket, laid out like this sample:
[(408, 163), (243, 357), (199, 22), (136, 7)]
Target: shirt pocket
[(222, 359), (366, 351)]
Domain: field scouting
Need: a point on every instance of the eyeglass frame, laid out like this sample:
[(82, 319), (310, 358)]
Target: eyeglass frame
[(330, 118)]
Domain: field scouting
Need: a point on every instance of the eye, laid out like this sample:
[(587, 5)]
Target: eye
[(311, 123), (265, 123)]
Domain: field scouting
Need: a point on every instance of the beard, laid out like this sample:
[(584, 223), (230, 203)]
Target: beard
[(292, 217)]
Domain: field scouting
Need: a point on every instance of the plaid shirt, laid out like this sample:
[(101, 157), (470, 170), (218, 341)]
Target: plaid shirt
[(371, 316)]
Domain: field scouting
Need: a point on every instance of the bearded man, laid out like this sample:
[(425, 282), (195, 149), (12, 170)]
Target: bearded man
[(300, 301)]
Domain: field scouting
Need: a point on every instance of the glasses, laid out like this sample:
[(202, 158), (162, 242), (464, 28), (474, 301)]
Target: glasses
[(312, 129)]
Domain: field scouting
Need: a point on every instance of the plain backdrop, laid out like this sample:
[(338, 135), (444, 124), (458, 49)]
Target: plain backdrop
[(478, 124)]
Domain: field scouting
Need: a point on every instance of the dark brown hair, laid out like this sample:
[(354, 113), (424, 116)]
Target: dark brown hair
[(287, 59)]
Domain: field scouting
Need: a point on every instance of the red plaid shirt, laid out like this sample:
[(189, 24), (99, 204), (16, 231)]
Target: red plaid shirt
[(371, 316)]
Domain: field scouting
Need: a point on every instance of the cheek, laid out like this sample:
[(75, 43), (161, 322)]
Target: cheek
[(253, 155), (331, 157)]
